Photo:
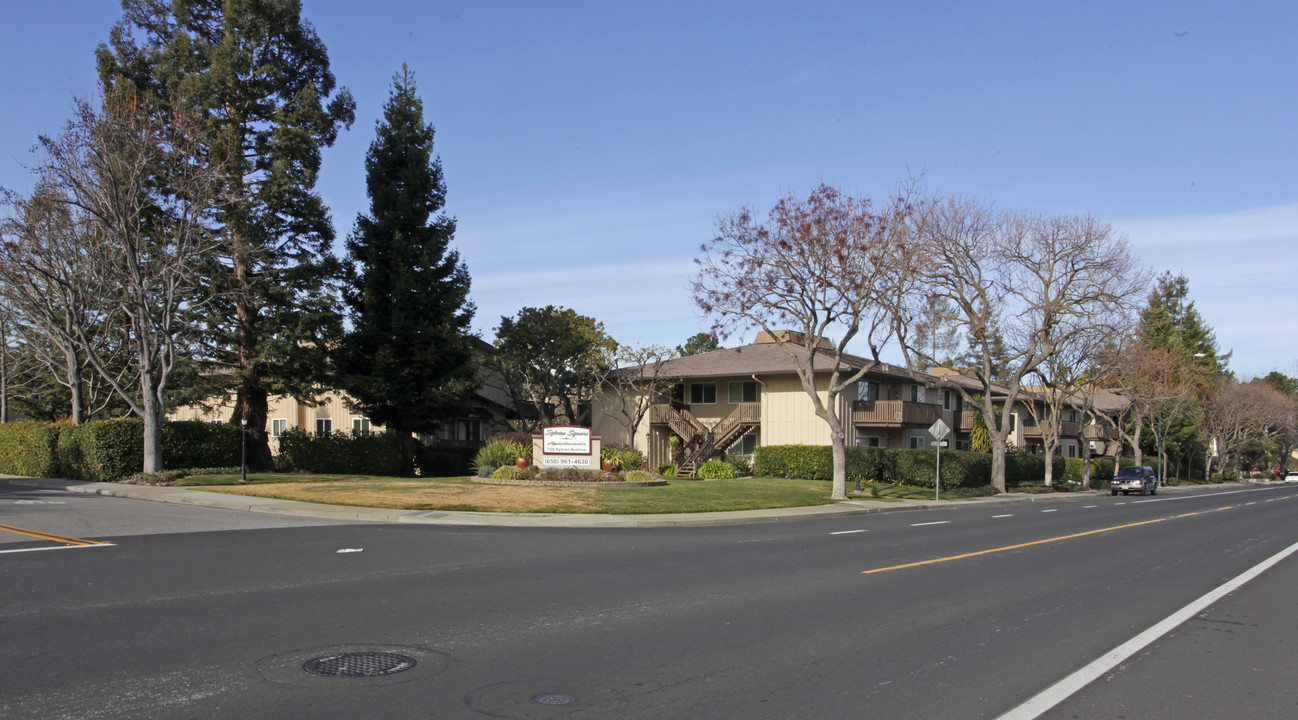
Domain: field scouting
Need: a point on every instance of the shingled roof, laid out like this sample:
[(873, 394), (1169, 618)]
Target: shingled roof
[(761, 359)]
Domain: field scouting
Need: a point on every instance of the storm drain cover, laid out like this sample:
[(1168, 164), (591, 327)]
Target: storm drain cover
[(359, 664), (555, 699)]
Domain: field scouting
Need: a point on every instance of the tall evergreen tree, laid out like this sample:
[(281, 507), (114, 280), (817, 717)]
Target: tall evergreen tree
[(255, 77), (408, 360)]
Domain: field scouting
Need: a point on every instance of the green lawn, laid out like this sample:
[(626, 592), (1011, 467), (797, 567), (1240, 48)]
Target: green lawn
[(462, 494)]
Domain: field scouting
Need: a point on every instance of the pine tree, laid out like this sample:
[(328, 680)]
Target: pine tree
[(408, 361), (255, 77)]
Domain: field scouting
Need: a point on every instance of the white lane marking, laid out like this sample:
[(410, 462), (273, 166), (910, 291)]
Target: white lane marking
[(1043, 701), (848, 532), (1054, 510), (1005, 515), (59, 547), (1088, 507), (1121, 503), (939, 522)]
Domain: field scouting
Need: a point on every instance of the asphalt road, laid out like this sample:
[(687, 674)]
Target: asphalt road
[(956, 613)]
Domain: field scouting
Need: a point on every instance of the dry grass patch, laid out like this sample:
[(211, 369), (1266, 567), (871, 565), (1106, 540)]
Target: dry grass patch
[(462, 494)]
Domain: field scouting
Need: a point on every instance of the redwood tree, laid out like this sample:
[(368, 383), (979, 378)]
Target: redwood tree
[(255, 76)]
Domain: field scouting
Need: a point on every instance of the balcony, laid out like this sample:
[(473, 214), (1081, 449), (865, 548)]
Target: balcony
[(894, 412), (1066, 429), (1095, 431), (966, 421)]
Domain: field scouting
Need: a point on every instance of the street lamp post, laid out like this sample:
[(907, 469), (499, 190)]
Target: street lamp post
[(243, 454)]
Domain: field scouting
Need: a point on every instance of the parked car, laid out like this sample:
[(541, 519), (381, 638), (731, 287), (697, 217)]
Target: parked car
[(1135, 478), (1291, 476)]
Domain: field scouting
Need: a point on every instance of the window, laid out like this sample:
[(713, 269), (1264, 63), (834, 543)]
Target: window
[(867, 390), (917, 393), (216, 421), (946, 399), (965, 445), (472, 430), (745, 445), (1072, 451), (703, 394), (917, 443), (1014, 421), (324, 427), (743, 392), (278, 427), (360, 427)]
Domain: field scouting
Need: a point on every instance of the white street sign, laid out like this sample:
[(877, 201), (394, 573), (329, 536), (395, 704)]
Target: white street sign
[(939, 429)]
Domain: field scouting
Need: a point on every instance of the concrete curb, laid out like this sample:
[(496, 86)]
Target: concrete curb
[(186, 496)]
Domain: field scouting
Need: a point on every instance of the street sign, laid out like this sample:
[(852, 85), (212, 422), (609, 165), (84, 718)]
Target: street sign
[(939, 431)]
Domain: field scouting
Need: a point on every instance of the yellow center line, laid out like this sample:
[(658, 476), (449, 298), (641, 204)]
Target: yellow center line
[(50, 536), (1012, 547), (1037, 542)]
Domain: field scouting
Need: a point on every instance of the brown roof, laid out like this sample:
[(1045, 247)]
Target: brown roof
[(763, 359)]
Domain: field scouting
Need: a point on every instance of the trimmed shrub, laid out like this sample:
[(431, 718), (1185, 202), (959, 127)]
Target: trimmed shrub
[(624, 457), (1101, 470), (717, 470), (196, 444), (380, 454), (439, 461), (667, 470), (808, 462), (507, 472), (103, 450), (29, 448), (880, 465), (640, 476), (485, 471), (959, 468)]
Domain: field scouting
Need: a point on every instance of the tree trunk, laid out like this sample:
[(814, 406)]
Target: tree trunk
[(840, 465), (408, 453), (1050, 466), (253, 404), (1086, 462), (998, 460), (152, 436)]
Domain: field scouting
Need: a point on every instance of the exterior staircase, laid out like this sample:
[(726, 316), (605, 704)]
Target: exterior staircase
[(702, 442)]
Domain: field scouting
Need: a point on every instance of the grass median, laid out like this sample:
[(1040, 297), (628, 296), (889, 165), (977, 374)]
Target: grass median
[(464, 495)]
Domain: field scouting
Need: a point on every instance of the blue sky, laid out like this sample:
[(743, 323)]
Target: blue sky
[(589, 148)]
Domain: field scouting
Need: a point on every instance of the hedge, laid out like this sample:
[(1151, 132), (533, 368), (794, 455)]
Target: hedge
[(1101, 470), (29, 448), (110, 450), (103, 450), (437, 461), (379, 454), (911, 467), (197, 444)]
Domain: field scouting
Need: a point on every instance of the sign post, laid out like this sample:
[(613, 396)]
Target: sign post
[(938, 430)]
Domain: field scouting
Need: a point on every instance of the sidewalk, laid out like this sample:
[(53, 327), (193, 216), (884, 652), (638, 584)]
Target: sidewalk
[(188, 496)]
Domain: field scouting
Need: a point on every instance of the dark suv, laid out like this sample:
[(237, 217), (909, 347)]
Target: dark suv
[(1135, 478)]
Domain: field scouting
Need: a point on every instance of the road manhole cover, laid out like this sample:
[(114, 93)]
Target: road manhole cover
[(359, 664), (554, 699)]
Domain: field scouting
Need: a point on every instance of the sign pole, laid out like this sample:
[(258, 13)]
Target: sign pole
[(937, 482), (938, 430)]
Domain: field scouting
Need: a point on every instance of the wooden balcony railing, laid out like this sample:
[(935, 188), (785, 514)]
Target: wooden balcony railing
[(894, 412)]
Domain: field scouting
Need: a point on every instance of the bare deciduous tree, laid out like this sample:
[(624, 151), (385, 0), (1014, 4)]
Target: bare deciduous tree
[(143, 197), (1037, 282), (637, 377), (827, 263), (45, 279)]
